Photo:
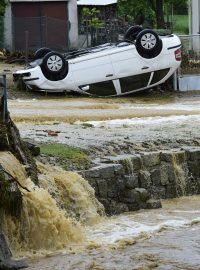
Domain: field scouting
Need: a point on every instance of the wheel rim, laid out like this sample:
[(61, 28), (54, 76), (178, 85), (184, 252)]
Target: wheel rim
[(148, 41), (54, 63)]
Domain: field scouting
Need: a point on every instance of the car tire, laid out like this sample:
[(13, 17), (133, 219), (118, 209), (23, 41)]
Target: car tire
[(132, 32), (40, 53), (148, 44), (54, 66)]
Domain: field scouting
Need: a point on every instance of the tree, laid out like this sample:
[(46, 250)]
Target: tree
[(10, 193), (2, 7), (149, 8), (92, 22), (160, 14), (131, 9), (179, 5)]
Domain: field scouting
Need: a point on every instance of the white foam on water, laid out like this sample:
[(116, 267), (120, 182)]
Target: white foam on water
[(187, 211), (147, 121), (24, 100), (121, 228), (187, 106)]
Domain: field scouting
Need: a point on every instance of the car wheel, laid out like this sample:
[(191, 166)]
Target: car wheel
[(148, 44), (132, 32), (40, 53), (54, 66)]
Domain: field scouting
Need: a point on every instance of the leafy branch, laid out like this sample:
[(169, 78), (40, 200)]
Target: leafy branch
[(92, 17)]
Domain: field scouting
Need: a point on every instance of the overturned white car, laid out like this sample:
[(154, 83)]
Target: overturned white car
[(143, 60)]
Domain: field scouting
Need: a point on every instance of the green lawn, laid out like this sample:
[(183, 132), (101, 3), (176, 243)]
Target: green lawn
[(181, 24), (64, 153)]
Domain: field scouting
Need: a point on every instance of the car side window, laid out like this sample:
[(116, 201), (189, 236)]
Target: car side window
[(134, 82)]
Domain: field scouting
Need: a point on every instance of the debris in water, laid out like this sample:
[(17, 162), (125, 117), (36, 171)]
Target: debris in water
[(52, 133)]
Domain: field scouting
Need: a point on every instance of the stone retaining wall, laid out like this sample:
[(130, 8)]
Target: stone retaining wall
[(131, 182)]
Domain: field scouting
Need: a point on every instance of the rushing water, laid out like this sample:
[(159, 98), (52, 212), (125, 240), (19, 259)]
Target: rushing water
[(164, 239), (49, 213), (62, 220), (63, 214)]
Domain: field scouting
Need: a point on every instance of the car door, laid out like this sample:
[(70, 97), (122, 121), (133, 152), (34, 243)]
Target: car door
[(132, 70), (93, 74)]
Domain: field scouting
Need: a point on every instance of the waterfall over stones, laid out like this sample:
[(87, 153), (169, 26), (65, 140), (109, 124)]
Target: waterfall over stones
[(130, 182)]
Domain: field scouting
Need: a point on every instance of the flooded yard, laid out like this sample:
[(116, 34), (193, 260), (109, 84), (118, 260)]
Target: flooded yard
[(164, 239), (96, 122)]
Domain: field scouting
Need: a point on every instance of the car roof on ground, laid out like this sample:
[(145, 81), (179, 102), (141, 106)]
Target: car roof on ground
[(100, 48)]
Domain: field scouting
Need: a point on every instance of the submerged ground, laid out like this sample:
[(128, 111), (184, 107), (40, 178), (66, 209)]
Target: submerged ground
[(164, 239), (118, 124)]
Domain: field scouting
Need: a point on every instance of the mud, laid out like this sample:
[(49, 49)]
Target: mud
[(87, 123)]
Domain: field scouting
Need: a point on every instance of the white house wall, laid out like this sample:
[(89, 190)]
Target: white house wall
[(195, 24), (73, 24), (195, 9)]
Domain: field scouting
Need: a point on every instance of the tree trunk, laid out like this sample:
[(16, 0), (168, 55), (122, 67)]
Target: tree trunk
[(159, 14), (10, 141), (10, 195)]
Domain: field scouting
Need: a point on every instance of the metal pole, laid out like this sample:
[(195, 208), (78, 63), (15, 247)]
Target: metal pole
[(5, 105), (175, 81), (26, 48), (172, 18), (190, 17), (87, 33)]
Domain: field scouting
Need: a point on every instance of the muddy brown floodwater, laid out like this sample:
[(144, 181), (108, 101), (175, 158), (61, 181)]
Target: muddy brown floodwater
[(91, 122), (164, 239)]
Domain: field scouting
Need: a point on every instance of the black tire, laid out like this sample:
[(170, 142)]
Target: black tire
[(40, 53), (54, 66), (148, 44), (132, 32)]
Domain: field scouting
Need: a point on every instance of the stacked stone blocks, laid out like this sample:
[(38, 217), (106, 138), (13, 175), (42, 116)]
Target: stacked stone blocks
[(131, 182)]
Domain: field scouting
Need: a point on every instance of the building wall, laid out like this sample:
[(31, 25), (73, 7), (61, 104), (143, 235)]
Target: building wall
[(72, 17), (195, 24), (73, 24), (195, 17)]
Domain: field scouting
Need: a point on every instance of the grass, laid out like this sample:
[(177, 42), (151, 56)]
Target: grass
[(66, 154), (181, 24)]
